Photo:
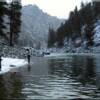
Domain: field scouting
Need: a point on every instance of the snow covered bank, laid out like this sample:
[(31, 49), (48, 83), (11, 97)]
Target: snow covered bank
[(97, 33), (10, 63), (71, 54)]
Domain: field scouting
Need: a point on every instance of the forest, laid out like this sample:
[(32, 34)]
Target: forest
[(78, 21), (10, 21)]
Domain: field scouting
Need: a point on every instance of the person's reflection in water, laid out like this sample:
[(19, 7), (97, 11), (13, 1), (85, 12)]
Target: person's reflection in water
[(16, 85), (29, 67), (3, 90)]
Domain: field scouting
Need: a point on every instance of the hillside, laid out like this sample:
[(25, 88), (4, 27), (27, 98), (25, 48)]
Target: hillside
[(35, 25), (81, 32)]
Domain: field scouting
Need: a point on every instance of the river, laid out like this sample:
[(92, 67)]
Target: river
[(64, 77)]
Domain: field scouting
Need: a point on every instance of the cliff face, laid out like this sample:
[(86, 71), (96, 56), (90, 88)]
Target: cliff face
[(35, 25)]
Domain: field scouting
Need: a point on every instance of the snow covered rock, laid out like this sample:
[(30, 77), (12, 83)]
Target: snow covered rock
[(7, 63), (97, 33)]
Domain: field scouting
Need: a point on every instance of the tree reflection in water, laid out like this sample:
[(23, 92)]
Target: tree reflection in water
[(10, 86), (3, 91), (80, 68), (68, 77), (57, 67), (16, 85), (84, 69)]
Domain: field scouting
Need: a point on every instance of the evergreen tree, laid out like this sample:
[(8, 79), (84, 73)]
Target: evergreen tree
[(60, 34), (89, 35), (2, 13), (82, 5), (75, 23), (86, 14), (77, 19), (51, 38), (96, 7), (89, 20), (15, 21)]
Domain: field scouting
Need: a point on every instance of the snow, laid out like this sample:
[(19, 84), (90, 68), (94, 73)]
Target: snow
[(8, 64), (97, 32), (78, 40), (70, 54)]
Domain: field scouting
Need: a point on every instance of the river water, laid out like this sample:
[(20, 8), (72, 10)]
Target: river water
[(65, 77)]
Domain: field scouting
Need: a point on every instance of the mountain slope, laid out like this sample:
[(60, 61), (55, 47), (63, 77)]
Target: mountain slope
[(35, 25)]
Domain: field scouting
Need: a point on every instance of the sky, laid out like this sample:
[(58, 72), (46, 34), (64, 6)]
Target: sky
[(59, 8)]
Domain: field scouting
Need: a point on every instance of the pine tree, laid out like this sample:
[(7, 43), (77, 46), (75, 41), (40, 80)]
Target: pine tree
[(75, 23), (15, 21), (2, 13), (60, 34), (96, 6), (72, 27), (51, 38), (89, 35)]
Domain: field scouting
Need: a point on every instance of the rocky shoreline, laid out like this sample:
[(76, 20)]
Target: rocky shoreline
[(14, 52)]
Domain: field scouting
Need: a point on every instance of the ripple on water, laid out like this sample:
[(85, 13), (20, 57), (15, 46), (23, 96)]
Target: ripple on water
[(51, 88), (61, 82)]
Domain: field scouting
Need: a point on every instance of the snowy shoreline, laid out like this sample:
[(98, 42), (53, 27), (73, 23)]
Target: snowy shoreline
[(8, 64), (67, 54)]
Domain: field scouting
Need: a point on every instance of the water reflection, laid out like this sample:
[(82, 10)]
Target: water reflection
[(16, 85), (29, 67), (81, 68), (3, 92), (10, 86), (58, 78), (57, 67)]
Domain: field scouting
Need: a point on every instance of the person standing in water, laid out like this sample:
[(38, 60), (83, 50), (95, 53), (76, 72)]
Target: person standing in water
[(0, 62), (28, 56)]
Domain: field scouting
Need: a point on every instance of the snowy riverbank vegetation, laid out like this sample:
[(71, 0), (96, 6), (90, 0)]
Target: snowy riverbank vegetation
[(80, 32), (9, 64)]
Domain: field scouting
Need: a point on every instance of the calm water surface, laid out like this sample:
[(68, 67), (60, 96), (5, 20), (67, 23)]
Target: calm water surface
[(58, 78)]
